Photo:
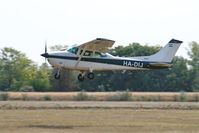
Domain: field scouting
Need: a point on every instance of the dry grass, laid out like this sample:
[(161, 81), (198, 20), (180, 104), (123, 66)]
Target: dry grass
[(64, 105), (136, 96), (97, 120)]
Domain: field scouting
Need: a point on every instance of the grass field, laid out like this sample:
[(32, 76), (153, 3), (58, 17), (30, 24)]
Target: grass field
[(102, 96), (98, 117)]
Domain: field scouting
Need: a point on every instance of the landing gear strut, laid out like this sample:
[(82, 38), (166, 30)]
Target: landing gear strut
[(57, 75)]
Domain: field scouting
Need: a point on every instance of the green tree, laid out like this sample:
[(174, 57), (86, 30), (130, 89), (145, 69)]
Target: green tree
[(177, 78), (194, 64), (41, 79), (134, 49), (15, 68)]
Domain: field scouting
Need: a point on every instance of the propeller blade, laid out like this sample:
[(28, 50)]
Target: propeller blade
[(45, 60), (46, 47), (46, 51)]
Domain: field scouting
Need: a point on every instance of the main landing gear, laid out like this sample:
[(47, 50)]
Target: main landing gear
[(57, 75), (81, 76)]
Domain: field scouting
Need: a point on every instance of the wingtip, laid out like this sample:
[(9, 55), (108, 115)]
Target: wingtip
[(104, 39), (175, 41)]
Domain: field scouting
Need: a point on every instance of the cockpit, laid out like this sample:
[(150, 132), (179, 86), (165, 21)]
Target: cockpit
[(74, 50)]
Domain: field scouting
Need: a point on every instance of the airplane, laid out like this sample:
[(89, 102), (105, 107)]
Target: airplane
[(93, 56)]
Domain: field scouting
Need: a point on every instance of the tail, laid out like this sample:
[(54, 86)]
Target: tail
[(167, 53)]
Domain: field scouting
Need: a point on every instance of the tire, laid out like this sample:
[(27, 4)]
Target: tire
[(80, 77), (57, 76), (91, 75)]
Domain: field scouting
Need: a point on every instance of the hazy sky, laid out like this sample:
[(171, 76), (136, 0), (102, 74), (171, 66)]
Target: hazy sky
[(26, 24)]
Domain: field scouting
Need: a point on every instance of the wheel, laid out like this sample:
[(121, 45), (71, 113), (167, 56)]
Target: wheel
[(57, 76), (90, 75), (80, 77)]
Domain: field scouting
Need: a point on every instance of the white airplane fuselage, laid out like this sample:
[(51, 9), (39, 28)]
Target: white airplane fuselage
[(67, 60), (89, 61)]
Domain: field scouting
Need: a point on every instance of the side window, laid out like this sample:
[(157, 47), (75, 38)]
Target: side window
[(103, 55), (73, 50), (86, 53), (97, 54)]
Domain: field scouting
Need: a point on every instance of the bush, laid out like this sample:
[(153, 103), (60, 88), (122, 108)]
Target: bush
[(122, 96), (27, 89), (157, 98), (47, 98), (82, 96), (196, 98), (181, 97), (25, 97), (113, 98), (40, 84), (144, 98), (4, 96)]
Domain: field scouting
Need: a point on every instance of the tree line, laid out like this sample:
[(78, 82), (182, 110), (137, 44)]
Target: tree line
[(19, 73)]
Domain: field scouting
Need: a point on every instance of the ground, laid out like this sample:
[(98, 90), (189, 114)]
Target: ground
[(98, 117)]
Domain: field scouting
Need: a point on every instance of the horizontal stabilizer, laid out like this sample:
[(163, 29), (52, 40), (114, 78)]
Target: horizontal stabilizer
[(160, 64)]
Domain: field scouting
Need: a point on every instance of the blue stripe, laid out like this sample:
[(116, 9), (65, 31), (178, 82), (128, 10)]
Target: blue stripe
[(129, 63)]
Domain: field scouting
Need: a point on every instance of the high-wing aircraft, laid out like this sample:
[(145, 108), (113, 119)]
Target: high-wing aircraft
[(93, 56)]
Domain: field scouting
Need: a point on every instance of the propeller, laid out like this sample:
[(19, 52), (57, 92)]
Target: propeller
[(46, 52), (45, 46)]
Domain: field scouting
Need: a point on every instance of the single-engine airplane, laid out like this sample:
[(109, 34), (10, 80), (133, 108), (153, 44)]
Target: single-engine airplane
[(93, 56)]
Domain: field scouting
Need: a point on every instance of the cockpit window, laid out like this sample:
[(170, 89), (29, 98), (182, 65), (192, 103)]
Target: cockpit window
[(98, 54), (87, 53), (73, 50)]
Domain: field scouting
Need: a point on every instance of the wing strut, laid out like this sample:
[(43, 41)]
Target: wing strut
[(80, 56)]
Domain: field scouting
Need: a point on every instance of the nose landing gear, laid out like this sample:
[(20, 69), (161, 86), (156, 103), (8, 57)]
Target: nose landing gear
[(57, 75)]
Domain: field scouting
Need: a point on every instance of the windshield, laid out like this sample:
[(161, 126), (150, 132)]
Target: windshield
[(73, 50)]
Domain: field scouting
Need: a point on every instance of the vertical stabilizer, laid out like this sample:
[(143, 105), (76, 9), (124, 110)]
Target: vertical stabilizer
[(167, 53)]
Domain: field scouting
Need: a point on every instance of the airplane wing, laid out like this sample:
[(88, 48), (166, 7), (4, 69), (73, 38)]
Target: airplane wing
[(99, 45)]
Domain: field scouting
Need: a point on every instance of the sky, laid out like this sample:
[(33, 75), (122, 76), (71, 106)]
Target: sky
[(26, 24)]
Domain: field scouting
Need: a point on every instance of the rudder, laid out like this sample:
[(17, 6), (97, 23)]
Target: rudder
[(167, 53)]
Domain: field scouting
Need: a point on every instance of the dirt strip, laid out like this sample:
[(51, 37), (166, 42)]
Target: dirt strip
[(64, 105)]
